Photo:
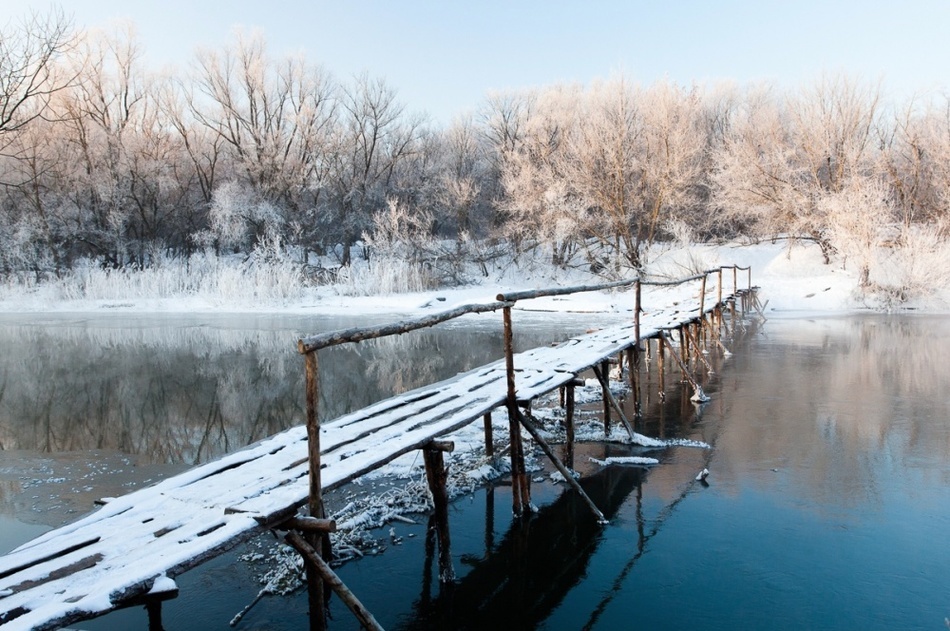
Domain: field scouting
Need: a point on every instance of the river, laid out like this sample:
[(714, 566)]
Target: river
[(827, 504)]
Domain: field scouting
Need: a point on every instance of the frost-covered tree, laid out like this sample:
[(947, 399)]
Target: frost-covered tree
[(916, 158), (784, 155), (609, 165), (241, 218), (541, 204)]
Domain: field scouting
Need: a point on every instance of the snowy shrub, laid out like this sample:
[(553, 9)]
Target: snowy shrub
[(260, 278), (916, 269), (239, 217), (384, 277)]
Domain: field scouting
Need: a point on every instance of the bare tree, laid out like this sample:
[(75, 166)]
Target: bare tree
[(29, 76), (374, 137), (274, 118)]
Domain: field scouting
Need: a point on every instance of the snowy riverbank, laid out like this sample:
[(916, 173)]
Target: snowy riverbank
[(792, 280)]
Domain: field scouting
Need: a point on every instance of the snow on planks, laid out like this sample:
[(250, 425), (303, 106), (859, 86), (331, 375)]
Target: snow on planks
[(100, 562)]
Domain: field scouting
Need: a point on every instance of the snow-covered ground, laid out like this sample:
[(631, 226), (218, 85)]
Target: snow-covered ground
[(792, 280)]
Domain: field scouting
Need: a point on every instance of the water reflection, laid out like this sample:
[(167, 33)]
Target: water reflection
[(518, 582), (845, 402), (183, 390)]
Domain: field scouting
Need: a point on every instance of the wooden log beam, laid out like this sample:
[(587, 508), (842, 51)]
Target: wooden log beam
[(309, 524), (348, 598), (561, 291), (447, 446)]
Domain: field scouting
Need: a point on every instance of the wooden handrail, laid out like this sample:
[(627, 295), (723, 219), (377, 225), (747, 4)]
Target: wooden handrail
[(333, 338)]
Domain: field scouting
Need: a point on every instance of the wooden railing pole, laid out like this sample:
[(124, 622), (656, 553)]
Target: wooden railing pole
[(719, 305), (318, 620), (436, 476), (520, 492), (702, 299)]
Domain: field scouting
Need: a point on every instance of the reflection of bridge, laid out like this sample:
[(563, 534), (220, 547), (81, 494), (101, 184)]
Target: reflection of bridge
[(525, 576), (127, 552)]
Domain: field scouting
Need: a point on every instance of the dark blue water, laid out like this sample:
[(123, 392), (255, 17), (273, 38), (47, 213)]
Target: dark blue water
[(827, 507)]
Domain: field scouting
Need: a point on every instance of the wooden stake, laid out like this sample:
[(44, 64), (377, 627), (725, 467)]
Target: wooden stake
[(520, 491), (699, 354), (569, 423), (489, 440), (696, 387), (633, 362), (661, 369), (436, 475), (315, 588)]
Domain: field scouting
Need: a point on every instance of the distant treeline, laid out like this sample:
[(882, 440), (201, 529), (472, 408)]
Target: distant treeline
[(105, 160)]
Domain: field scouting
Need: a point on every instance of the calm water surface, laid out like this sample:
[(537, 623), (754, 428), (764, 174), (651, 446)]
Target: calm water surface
[(827, 506)]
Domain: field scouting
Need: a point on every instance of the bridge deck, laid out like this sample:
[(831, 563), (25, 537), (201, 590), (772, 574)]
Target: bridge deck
[(129, 547)]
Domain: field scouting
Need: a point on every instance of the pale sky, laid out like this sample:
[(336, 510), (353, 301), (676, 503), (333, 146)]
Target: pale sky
[(444, 56)]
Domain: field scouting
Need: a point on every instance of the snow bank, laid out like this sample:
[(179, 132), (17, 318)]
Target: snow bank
[(793, 279)]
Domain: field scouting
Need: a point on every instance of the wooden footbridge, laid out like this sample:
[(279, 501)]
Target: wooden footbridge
[(129, 551)]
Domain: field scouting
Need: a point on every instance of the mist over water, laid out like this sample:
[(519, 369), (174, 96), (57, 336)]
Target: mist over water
[(827, 505)]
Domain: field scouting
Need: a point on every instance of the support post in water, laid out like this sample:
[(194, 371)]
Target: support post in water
[(315, 589), (520, 491), (489, 439), (436, 476), (610, 401), (604, 383), (634, 358), (569, 421), (660, 368), (633, 367)]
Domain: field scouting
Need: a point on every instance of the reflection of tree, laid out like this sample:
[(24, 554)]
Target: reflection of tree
[(849, 401), (175, 392)]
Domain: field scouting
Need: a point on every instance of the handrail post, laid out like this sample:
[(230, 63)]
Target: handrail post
[(318, 620), (636, 311), (634, 367), (702, 300), (520, 491)]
